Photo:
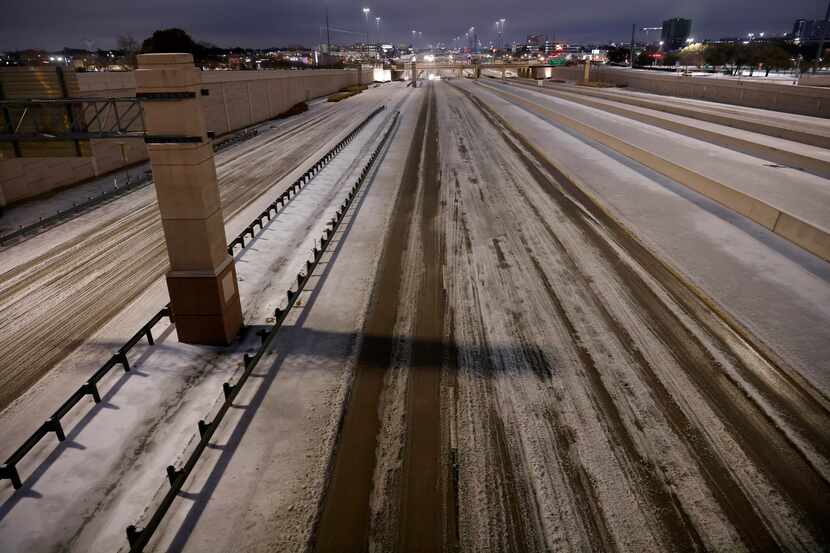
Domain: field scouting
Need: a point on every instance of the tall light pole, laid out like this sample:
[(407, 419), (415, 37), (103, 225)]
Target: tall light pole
[(377, 20), (328, 32), (366, 12), (820, 50)]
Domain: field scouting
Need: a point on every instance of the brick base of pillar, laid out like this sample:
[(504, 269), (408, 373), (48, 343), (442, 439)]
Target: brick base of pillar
[(205, 306)]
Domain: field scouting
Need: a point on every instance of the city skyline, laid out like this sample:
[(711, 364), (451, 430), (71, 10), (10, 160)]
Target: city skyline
[(254, 24)]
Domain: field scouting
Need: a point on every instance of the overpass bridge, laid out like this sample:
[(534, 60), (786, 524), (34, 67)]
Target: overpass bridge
[(405, 71)]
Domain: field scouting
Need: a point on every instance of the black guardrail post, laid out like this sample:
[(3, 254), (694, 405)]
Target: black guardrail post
[(8, 470), (138, 538)]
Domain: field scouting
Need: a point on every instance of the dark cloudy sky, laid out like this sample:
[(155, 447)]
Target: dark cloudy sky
[(52, 24)]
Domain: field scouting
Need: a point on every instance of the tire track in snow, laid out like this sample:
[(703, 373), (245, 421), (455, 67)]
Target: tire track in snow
[(754, 532), (53, 303)]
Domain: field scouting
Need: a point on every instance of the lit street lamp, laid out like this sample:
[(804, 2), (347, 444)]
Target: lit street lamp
[(366, 12), (500, 30)]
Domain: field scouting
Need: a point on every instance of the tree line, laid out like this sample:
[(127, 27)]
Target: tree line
[(732, 58)]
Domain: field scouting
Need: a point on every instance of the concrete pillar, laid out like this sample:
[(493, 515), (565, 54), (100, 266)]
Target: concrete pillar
[(587, 74), (204, 297), (414, 75)]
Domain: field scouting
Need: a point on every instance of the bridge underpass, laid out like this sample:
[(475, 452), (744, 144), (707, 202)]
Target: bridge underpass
[(519, 335), (423, 70)]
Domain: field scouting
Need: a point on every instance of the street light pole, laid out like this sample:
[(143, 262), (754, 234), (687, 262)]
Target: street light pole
[(633, 30), (501, 34), (366, 15), (328, 32), (823, 37), (377, 20)]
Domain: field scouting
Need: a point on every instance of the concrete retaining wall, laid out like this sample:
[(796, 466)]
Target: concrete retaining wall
[(808, 79), (804, 100), (237, 99)]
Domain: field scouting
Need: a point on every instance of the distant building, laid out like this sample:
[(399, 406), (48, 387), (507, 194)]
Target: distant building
[(675, 33), (537, 39), (798, 28), (806, 30)]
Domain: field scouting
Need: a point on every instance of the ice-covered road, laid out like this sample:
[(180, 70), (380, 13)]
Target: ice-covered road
[(521, 341), (549, 383), (53, 298), (81, 494)]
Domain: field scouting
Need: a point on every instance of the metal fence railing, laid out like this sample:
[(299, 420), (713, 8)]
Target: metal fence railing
[(138, 538), (8, 470)]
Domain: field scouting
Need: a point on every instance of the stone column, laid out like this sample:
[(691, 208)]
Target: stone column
[(204, 297)]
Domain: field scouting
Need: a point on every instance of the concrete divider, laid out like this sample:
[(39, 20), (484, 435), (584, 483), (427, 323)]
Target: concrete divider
[(237, 99), (804, 234), (790, 158), (809, 237), (808, 79), (804, 100), (792, 132)]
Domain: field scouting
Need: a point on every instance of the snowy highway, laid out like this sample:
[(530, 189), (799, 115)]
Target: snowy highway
[(54, 300), (553, 383), (523, 339)]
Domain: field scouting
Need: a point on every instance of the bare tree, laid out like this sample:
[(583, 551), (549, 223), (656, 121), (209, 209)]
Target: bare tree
[(692, 55), (129, 48)]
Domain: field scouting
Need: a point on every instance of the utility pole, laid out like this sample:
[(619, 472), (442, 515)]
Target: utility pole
[(823, 37), (633, 30), (328, 32), (366, 14)]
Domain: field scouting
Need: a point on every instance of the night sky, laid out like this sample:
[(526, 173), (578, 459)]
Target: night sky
[(53, 24)]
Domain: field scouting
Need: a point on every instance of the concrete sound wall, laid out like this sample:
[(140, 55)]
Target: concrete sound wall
[(237, 99), (808, 79), (804, 100)]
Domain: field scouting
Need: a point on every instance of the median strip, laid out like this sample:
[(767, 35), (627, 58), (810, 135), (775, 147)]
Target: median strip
[(138, 538), (8, 470)]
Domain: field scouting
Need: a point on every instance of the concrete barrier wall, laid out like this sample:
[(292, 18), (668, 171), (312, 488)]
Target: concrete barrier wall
[(808, 79), (237, 99), (805, 234), (803, 100), (564, 73)]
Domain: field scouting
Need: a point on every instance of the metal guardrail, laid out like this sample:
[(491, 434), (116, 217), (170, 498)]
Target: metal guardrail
[(139, 538), (8, 470), (295, 188)]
